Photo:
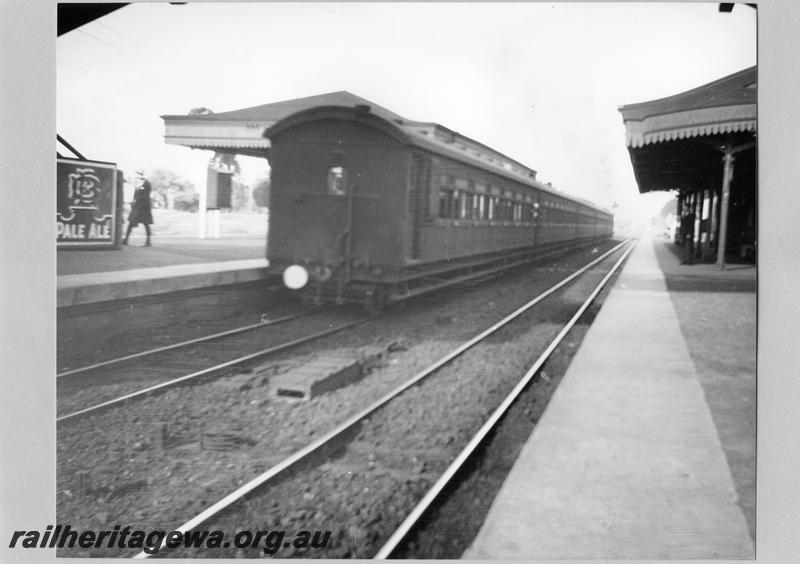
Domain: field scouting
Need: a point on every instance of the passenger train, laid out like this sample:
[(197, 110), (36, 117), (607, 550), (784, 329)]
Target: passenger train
[(367, 206)]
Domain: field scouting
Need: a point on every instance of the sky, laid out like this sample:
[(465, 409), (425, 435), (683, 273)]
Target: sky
[(540, 82)]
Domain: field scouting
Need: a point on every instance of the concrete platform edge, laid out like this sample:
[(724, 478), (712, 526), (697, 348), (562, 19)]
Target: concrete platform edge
[(85, 289)]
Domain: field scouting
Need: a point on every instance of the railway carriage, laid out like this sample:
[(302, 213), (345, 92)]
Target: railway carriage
[(375, 208)]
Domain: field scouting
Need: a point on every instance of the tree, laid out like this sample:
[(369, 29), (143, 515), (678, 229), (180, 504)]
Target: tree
[(226, 162), (671, 207), (261, 193), (167, 186), (241, 199), (187, 202)]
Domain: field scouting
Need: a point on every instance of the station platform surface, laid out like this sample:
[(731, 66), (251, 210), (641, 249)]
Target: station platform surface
[(171, 264), (647, 448)]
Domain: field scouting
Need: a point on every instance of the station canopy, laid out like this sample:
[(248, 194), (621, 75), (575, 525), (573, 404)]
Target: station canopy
[(241, 131), (675, 143)]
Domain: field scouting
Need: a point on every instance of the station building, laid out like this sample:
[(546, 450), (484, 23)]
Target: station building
[(701, 144)]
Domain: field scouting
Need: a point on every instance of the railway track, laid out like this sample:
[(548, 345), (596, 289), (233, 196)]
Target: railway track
[(448, 477), (265, 322), (92, 334), (341, 434), (190, 356), (94, 388)]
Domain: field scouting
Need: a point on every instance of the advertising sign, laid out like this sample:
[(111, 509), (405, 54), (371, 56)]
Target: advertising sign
[(86, 203)]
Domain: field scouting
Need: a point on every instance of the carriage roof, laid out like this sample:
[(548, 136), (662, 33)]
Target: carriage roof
[(429, 136)]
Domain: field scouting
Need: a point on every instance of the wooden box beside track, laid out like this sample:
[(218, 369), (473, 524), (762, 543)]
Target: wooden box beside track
[(368, 200)]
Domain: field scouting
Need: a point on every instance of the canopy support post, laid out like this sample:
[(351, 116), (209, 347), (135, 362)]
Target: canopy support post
[(727, 176), (202, 209)]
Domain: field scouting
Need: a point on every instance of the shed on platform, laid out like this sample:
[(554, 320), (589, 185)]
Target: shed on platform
[(701, 144)]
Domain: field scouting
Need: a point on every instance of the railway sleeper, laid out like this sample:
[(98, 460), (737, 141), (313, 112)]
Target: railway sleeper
[(329, 372)]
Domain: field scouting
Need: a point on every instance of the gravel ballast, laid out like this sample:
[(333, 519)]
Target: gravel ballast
[(146, 463)]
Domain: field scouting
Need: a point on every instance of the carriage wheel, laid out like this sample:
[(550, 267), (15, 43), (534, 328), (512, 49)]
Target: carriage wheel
[(374, 301)]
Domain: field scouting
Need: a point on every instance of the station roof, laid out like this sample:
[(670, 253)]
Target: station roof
[(240, 131), (276, 111), (237, 131), (674, 142)]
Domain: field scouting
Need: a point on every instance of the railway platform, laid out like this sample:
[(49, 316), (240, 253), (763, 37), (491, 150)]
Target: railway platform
[(171, 264), (647, 448)]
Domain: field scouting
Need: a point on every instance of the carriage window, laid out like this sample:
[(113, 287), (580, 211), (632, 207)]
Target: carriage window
[(467, 205), (445, 203), (504, 209), (458, 205), (337, 181)]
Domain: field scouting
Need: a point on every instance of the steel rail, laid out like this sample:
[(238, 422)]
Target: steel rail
[(182, 344), (405, 527), (347, 425), (210, 371)]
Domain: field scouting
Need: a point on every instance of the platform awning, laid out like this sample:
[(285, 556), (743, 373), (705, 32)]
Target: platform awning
[(694, 123), (241, 131), (221, 136), (675, 142)]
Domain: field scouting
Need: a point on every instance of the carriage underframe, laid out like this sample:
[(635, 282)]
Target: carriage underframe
[(416, 280)]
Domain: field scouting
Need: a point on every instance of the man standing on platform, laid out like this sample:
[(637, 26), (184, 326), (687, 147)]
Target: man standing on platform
[(140, 209)]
